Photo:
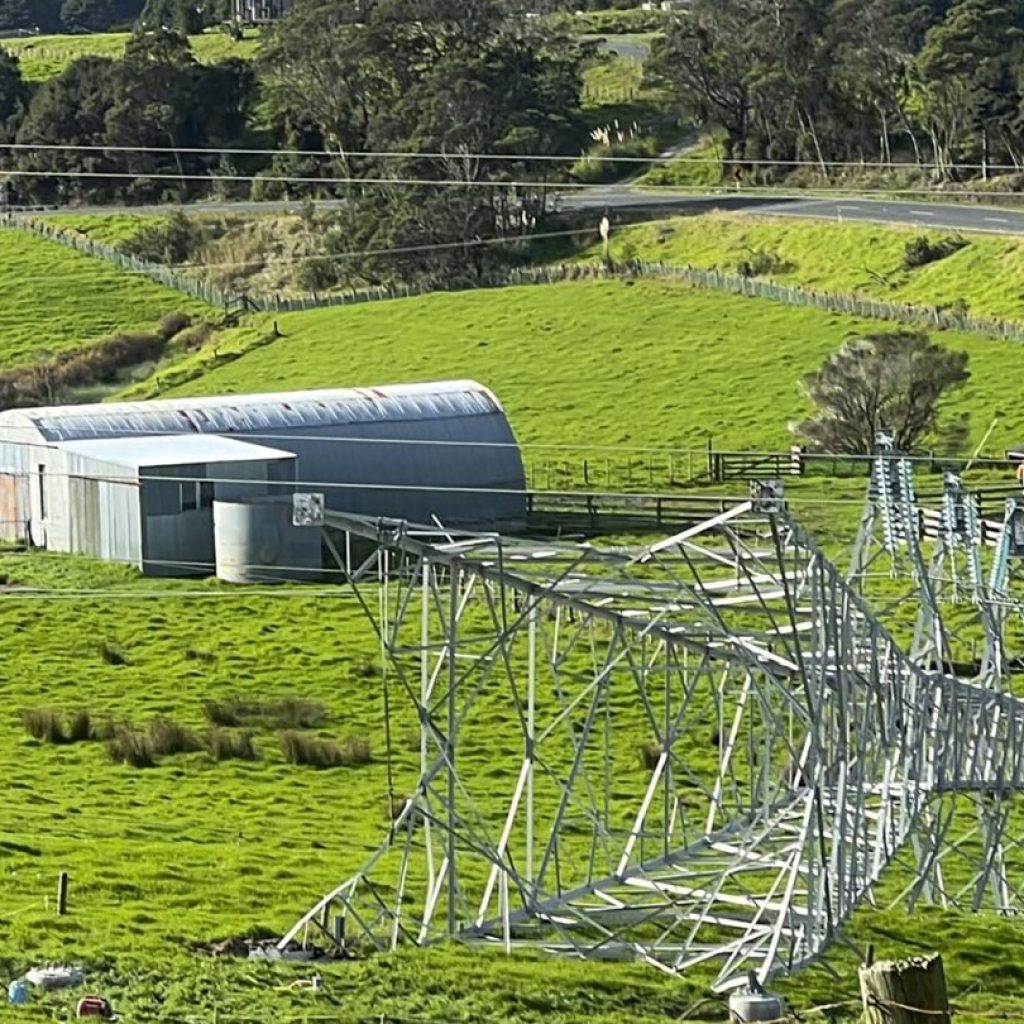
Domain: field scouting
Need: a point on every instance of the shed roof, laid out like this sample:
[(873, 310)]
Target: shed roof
[(179, 450), (241, 413)]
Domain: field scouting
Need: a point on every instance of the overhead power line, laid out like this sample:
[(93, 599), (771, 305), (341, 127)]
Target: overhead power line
[(629, 188), (376, 154)]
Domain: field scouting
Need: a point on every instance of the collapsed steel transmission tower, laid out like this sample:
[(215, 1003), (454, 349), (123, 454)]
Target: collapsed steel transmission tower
[(705, 750)]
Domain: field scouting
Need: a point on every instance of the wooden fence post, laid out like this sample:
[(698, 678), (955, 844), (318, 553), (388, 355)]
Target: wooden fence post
[(905, 991), (62, 893)]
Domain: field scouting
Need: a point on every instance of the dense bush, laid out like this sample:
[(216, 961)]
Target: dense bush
[(760, 262), (921, 251)]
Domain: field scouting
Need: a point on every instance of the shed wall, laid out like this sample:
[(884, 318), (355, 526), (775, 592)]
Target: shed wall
[(92, 508), (455, 449), (178, 541)]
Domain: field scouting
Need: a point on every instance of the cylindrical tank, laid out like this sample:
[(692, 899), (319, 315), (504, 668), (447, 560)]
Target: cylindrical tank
[(746, 1007), (257, 543)]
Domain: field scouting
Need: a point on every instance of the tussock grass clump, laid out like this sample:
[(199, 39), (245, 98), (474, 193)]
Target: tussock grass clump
[(366, 669), (650, 754), (45, 724), (299, 748), (112, 653), (226, 745), (356, 750), (221, 713), (295, 713), (198, 654), (80, 727), (131, 746), (286, 713), (168, 737)]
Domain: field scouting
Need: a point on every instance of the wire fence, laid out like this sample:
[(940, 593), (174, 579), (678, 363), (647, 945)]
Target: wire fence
[(935, 317)]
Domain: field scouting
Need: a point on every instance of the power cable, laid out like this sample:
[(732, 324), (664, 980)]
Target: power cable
[(662, 159), (823, 191)]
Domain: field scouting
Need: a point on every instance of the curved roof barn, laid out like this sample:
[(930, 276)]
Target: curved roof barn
[(413, 451)]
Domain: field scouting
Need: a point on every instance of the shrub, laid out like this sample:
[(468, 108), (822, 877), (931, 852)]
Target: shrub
[(172, 324), (763, 261), (286, 713), (168, 737), (132, 747), (356, 750), (921, 251), (44, 724), (225, 745)]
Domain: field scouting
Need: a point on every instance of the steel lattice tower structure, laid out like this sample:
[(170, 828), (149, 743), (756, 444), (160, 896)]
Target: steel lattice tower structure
[(792, 750)]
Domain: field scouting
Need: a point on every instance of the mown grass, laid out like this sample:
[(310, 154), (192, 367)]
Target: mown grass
[(44, 57), (842, 257), (593, 364), (56, 299)]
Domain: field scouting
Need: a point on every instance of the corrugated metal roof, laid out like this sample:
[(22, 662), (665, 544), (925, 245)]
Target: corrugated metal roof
[(241, 413), (180, 450)]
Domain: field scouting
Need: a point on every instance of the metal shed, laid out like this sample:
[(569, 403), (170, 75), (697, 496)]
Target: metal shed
[(415, 451), (148, 501)]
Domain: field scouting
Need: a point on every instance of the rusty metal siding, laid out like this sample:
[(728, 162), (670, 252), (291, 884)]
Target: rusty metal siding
[(15, 508)]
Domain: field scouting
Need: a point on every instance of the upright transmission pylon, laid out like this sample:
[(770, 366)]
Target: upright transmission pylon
[(705, 750)]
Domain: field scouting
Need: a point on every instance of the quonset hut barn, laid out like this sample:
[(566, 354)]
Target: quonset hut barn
[(181, 486)]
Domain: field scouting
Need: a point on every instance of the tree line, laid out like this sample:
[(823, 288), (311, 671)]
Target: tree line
[(448, 79), (57, 16), (824, 81)]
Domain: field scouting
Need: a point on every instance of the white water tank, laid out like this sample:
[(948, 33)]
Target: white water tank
[(257, 543)]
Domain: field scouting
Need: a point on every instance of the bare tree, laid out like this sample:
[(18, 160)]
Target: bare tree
[(894, 382)]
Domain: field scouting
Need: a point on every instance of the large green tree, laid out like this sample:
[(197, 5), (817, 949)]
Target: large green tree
[(13, 96), (434, 111), (893, 381), (29, 15)]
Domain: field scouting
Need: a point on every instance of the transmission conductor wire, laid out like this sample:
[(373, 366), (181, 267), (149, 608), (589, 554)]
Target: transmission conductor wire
[(582, 447), (630, 189), (393, 154)]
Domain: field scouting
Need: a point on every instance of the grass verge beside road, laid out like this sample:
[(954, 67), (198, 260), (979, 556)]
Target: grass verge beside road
[(867, 259)]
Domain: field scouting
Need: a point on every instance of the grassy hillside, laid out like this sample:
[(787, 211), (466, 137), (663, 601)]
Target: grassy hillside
[(55, 299), (43, 57), (168, 858), (589, 364), (864, 258)]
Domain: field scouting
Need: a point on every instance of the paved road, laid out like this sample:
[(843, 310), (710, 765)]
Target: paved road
[(625, 199), (883, 211)]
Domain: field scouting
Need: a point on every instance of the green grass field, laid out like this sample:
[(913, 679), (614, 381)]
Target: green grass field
[(44, 57), (55, 299), (862, 258), (167, 858), (698, 364)]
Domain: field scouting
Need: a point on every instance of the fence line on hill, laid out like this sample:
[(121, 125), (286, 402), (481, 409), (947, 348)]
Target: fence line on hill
[(711, 279)]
